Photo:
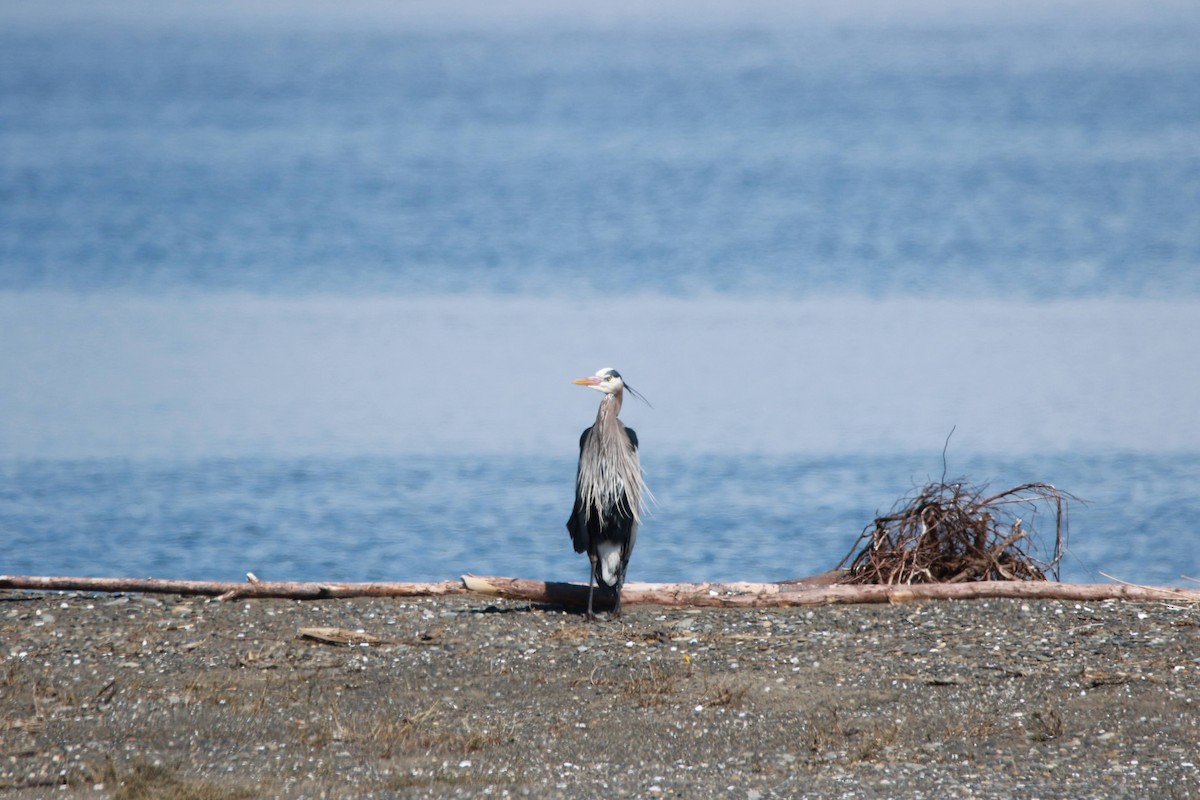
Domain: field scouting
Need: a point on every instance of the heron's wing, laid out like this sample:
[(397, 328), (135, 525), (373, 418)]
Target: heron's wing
[(576, 525), (632, 434)]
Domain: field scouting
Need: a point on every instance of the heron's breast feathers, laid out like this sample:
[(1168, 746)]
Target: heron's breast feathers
[(610, 479)]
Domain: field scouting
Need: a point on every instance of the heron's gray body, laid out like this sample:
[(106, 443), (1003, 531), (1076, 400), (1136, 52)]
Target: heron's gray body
[(608, 497)]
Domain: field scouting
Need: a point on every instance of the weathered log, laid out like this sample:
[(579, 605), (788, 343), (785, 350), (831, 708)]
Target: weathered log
[(816, 590), (229, 590), (764, 595)]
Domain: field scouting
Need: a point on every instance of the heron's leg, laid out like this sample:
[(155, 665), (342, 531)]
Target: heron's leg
[(616, 612), (591, 588)]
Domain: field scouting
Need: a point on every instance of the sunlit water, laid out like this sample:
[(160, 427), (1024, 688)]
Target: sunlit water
[(306, 300)]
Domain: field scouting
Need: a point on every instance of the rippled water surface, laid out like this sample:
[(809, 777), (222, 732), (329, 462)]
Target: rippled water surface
[(740, 518)]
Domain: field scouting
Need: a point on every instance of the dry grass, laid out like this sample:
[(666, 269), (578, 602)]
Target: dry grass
[(1045, 725), (828, 733), (972, 727), (727, 694), (953, 532), (143, 781), (652, 686), (657, 684), (433, 729)]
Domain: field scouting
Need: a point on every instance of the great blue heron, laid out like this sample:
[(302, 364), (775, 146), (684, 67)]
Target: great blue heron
[(608, 489)]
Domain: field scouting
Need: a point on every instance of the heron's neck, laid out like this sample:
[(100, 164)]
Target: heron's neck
[(610, 406)]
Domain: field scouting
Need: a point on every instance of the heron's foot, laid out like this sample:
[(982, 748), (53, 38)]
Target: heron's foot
[(603, 614)]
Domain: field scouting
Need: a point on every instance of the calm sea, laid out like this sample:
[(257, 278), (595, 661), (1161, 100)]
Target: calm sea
[(303, 296)]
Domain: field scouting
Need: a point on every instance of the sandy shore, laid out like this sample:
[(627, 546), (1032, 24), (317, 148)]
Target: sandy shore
[(139, 696)]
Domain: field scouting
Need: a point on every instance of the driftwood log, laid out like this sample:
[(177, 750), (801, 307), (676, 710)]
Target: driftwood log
[(817, 590), (228, 590)]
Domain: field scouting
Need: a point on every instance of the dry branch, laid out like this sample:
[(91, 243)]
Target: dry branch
[(952, 532), (771, 595), (228, 590)]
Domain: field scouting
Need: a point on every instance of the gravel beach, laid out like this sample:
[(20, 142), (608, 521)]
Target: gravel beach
[(186, 698)]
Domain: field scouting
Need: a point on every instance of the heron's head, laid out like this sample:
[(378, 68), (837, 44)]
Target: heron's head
[(607, 380)]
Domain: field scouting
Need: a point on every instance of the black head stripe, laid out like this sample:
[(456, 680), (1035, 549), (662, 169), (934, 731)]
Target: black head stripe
[(637, 394)]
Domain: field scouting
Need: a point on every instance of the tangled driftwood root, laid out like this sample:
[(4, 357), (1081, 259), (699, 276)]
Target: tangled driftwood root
[(951, 532)]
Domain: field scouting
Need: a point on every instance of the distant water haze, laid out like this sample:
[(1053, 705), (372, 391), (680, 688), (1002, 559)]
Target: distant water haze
[(231, 375)]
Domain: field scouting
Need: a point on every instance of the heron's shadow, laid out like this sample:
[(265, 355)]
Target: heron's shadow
[(561, 608)]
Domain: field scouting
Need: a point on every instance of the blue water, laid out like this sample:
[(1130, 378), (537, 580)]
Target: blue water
[(306, 299), (434, 518), (1045, 160)]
